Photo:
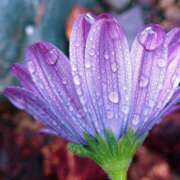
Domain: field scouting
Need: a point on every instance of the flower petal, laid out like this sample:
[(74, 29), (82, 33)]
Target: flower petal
[(149, 61), (156, 118), (108, 74), (24, 77), (77, 56), (50, 72), (172, 74), (27, 101)]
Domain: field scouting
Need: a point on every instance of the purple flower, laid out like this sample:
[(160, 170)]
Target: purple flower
[(105, 85)]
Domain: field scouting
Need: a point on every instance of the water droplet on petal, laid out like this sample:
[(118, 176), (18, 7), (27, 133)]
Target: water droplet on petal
[(161, 63), (87, 64), (83, 101), (77, 44), (146, 111), (79, 92), (64, 81), (89, 17), (125, 109), (31, 66), (114, 67), (110, 114), (106, 55), (151, 37), (74, 68), (143, 82), (136, 119), (77, 80), (114, 97), (52, 56), (151, 103), (91, 52), (70, 108)]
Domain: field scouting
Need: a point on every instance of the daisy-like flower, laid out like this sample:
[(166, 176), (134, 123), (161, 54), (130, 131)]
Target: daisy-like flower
[(108, 96)]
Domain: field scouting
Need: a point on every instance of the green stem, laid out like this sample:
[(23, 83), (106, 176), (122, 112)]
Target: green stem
[(119, 175), (116, 170)]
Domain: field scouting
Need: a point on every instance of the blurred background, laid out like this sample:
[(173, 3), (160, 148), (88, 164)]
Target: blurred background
[(25, 154)]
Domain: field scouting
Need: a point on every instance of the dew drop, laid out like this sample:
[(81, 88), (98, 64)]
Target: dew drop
[(114, 67), (151, 103), (151, 37), (91, 38), (70, 108), (136, 119), (106, 55), (161, 63), (77, 44), (77, 80), (87, 64), (89, 17), (64, 81), (31, 66), (52, 56), (91, 52), (110, 114), (83, 101), (143, 82), (125, 109), (114, 97), (79, 92), (146, 111), (74, 68)]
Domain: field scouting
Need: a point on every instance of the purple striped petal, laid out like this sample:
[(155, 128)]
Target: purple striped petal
[(109, 75), (50, 71), (77, 57), (156, 118), (35, 106), (22, 74), (149, 61), (154, 83), (103, 71), (49, 131)]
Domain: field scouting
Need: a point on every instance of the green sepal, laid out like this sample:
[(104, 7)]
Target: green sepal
[(114, 156)]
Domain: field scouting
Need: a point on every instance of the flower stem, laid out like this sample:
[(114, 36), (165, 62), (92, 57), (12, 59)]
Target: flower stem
[(116, 170), (119, 175)]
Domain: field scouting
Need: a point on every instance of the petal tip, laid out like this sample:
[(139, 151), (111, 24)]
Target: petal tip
[(152, 37)]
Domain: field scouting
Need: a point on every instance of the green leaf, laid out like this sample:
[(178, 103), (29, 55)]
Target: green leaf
[(114, 156)]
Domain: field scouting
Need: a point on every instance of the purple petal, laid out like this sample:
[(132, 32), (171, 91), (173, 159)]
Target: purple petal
[(77, 56), (156, 118), (24, 77), (151, 37), (108, 73), (48, 131), (103, 72), (50, 71), (27, 101), (149, 62)]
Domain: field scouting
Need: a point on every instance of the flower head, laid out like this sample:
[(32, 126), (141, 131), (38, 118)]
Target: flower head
[(105, 84)]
